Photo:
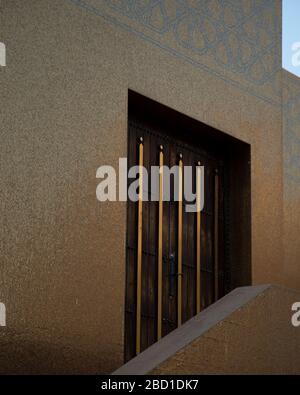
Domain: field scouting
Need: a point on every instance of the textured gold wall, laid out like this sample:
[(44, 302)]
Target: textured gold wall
[(256, 339), (291, 151), (64, 113), (249, 331)]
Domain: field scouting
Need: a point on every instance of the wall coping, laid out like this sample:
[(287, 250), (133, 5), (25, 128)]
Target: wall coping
[(191, 330)]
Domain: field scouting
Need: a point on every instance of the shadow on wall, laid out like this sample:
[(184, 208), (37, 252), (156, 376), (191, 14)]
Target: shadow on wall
[(32, 353)]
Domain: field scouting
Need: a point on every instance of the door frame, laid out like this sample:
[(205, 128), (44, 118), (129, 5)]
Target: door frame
[(237, 191)]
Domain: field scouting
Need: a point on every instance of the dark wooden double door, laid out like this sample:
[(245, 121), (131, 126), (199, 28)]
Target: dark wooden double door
[(206, 283)]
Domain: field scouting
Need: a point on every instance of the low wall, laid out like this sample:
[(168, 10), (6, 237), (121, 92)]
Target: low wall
[(248, 331)]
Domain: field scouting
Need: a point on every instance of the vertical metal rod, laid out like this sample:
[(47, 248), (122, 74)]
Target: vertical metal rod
[(160, 245), (139, 249), (198, 253), (179, 280), (216, 235)]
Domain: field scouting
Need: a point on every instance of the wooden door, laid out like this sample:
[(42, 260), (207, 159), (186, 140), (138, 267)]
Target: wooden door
[(177, 292)]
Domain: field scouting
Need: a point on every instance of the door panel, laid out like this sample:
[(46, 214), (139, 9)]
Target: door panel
[(211, 240)]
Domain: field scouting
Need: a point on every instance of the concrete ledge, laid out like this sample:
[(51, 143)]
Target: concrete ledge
[(179, 339)]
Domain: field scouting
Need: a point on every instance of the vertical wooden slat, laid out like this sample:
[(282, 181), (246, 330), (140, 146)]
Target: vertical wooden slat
[(179, 281), (160, 245), (198, 194), (139, 249), (216, 236)]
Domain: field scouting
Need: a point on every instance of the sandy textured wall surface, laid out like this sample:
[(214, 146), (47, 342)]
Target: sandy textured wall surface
[(64, 113)]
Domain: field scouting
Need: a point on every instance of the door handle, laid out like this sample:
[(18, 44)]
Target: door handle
[(172, 275)]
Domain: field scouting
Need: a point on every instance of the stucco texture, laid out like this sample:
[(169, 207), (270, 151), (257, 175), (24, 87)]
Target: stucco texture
[(256, 339), (64, 113), (249, 331), (291, 154)]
